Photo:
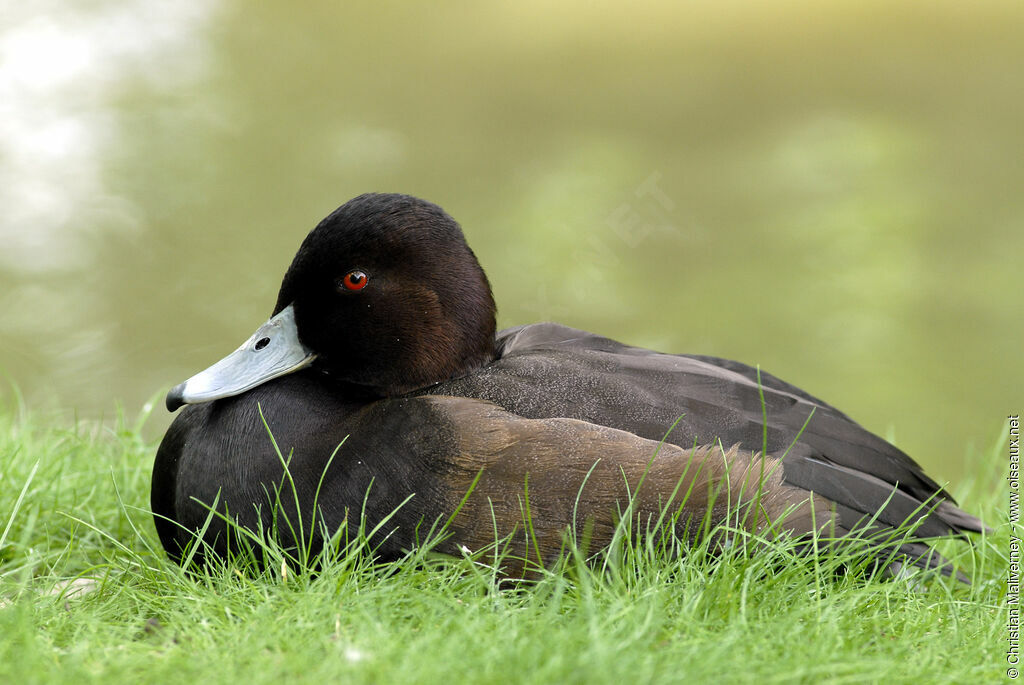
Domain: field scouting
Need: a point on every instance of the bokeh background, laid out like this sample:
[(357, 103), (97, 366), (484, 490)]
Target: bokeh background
[(835, 193)]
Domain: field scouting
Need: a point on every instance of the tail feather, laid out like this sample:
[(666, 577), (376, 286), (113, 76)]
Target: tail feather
[(863, 495)]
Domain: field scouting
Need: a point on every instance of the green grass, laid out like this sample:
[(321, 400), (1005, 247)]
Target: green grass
[(74, 505)]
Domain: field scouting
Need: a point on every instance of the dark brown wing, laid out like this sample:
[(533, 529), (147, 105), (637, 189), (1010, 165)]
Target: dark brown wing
[(548, 371)]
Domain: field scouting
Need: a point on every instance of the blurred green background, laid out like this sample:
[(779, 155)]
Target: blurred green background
[(835, 193)]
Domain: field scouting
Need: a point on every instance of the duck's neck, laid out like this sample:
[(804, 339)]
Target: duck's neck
[(419, 370)]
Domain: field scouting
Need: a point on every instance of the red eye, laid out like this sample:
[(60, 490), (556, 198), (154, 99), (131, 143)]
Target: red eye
[(355, 280)]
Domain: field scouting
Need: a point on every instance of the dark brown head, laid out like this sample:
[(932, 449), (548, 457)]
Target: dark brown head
[(383, 294)]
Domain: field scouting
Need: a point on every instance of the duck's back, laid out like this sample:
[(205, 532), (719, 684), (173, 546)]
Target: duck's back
[(548, 370)]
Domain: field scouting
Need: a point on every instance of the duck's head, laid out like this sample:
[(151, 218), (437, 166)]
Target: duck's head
[(384, 294)]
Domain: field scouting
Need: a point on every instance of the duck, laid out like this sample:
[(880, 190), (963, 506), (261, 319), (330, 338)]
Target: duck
[(380, 394)]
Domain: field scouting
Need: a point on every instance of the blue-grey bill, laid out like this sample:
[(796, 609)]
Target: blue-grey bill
[(272, 351)]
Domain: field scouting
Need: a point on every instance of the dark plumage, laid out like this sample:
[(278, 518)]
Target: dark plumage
[(383, 337)]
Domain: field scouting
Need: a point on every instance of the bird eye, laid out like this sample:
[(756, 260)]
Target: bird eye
[(355, 280)]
